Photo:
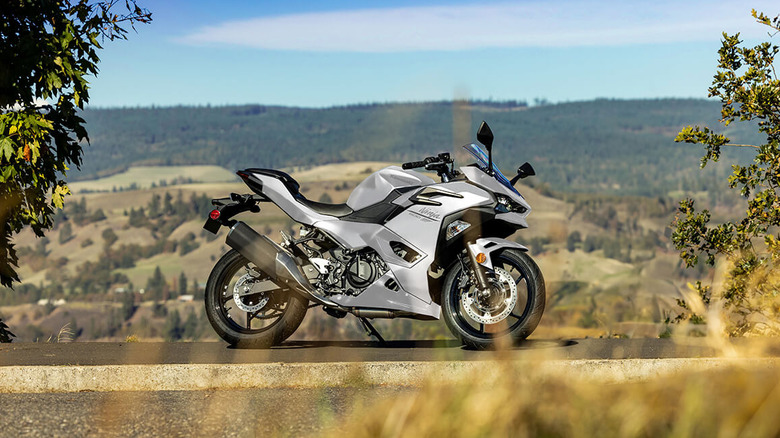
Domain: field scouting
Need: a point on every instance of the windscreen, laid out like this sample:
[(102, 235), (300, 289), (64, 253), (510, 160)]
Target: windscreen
[(482, 162)]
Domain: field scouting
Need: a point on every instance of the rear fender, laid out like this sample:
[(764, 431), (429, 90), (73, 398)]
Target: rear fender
[(490, 245)]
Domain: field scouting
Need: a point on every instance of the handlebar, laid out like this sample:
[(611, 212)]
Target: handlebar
[(413, 164), (442, 158), (439, 163)]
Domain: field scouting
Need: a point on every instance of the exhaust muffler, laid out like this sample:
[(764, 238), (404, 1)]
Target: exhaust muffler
[(273, 260)]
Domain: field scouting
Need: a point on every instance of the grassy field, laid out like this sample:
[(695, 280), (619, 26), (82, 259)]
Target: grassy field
[(356, 171), (144, 176)]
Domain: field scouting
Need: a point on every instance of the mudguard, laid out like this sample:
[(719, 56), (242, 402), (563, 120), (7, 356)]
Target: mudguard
[(489, 245)]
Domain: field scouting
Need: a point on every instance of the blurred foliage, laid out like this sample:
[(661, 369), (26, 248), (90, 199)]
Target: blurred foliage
[(5, 334), (48, 49), (523, 399), (747, 85)]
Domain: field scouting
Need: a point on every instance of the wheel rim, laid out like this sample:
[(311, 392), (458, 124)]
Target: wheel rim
[(248, 301), (521, 306)]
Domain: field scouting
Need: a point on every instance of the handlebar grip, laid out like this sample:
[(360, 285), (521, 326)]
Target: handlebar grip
[(413, 164)]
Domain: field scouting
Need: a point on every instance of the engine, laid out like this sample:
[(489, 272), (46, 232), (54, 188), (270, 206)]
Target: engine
[(340, 270)]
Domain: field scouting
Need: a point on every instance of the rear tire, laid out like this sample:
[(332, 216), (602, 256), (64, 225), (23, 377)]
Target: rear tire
[(524, 315), (237, 322)]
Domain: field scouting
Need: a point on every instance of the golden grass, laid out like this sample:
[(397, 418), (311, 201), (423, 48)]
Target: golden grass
[(354, 171), (727, 403), (144, 176), (529, 398)]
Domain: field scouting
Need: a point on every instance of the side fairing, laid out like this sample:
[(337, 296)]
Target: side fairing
[(416, 231), (380, 183), (420, 224)]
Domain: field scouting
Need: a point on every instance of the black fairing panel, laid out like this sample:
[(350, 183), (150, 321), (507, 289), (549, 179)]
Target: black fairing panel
[(382, 211), (484, 224)]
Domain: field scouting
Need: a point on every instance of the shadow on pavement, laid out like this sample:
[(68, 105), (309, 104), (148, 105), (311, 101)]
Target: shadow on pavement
[(534, 344)]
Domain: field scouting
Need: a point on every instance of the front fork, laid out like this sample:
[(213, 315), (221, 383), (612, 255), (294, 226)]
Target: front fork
[(476, 267)]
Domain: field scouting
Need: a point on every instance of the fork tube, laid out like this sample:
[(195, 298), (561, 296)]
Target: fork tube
[(479, 270)]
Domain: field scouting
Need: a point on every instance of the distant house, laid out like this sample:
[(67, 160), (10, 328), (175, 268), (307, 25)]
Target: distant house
[(46, 301)]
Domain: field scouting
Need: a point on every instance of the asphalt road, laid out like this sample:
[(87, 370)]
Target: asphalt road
[(105, 353), (223, 413)]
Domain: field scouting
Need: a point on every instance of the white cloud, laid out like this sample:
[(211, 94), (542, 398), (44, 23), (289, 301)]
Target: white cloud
[(536, 23)]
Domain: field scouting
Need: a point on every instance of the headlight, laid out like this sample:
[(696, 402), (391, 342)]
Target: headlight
[(506, 205), (455, 228)]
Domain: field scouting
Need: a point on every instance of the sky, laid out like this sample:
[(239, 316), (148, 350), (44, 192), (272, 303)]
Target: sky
[(333, 53)]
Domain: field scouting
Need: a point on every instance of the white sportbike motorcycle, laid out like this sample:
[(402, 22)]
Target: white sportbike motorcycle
[(402, 246)]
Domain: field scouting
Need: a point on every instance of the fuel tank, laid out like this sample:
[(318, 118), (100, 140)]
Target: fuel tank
[(380, 183)]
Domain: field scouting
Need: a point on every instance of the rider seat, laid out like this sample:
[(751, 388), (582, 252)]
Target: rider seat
[(336, 210)]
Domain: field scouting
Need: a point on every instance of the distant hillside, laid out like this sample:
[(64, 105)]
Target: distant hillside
[(607, 262), (616, 146)]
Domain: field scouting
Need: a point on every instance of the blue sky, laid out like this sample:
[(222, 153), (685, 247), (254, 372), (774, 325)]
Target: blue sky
[(319, 54)]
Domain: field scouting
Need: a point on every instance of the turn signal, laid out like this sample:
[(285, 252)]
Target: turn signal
[(481, 258), (214, 214)]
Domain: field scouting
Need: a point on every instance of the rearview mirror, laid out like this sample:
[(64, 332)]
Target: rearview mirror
[(523, 171), (485, 135)]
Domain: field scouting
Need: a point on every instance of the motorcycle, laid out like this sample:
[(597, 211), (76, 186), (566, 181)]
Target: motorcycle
[(402, 246)]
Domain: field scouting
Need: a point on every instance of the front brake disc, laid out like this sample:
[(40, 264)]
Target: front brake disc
[(484, 314)]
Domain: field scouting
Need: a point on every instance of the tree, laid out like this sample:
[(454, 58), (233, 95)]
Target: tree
[(572, 241), (190, 327), (747, 85), (109, 237), (156, 285), (173, 329), (66, 233), (48, 48), (128, 304), (182, 284), (5, 334), (168, 204), (154, 206)]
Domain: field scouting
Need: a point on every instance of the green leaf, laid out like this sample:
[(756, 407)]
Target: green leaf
[(58, 197), (8, 173), (7, 148)]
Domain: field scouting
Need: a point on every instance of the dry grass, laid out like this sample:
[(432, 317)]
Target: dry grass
[(354, 171), (526, 399), (144, 176), (727, 403)]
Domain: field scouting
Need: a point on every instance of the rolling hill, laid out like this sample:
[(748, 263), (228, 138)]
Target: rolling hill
[(607, 146)]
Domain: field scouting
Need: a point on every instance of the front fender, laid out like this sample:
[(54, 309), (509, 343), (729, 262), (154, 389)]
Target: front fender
[(489, 245)]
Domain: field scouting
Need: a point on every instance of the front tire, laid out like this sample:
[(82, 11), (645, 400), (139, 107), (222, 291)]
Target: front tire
[(479, 324), (246, 308)]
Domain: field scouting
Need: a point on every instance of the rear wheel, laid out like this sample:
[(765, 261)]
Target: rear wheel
[(246, 308), (512, 308)]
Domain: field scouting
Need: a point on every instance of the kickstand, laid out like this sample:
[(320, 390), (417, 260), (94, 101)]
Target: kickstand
[(370, 330)]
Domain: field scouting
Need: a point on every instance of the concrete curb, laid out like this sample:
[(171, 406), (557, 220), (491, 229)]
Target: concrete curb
[(188, 377)]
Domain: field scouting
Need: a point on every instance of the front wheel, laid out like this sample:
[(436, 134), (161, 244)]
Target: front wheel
[(513, 307), (246, 308)]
